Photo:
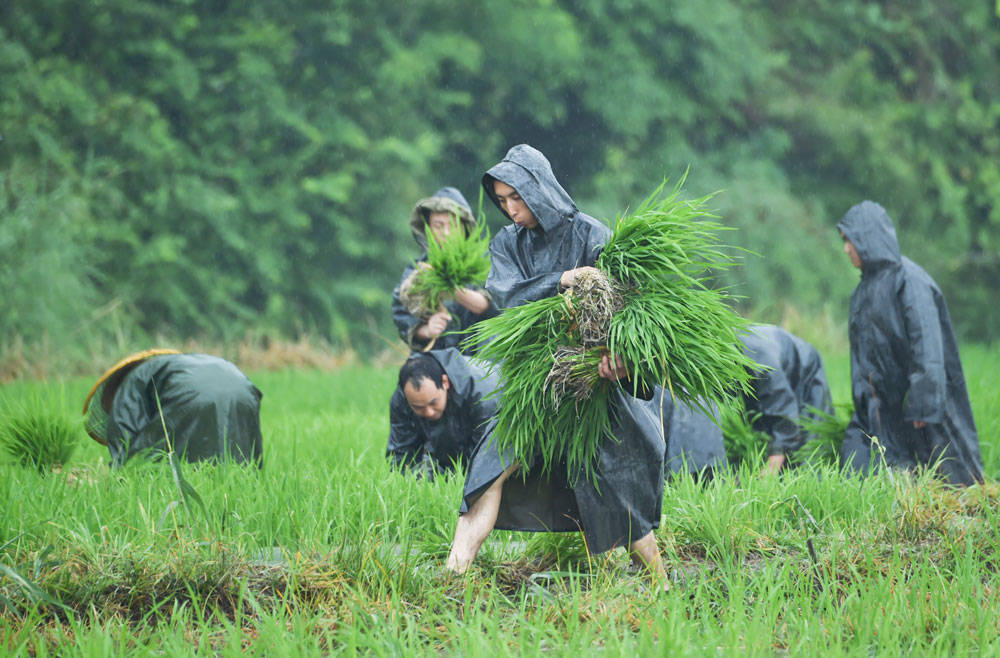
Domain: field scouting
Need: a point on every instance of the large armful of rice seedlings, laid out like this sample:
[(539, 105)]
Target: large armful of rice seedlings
[(456, 262), (651, 306), (674, 329)]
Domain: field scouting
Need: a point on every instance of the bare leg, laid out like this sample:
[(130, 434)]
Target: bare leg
[(474, 526), (645, 552)]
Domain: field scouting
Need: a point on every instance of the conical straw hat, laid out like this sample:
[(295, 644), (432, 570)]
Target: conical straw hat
[(106, 387)]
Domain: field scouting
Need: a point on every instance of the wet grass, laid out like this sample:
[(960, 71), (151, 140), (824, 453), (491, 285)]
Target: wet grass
[(327, 550)]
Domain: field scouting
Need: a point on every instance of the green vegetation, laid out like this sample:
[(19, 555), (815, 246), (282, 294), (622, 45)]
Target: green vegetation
[(327, 550), (37, 434), (207, 169)]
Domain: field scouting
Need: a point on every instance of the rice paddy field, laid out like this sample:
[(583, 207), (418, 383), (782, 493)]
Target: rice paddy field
[(327, 550)]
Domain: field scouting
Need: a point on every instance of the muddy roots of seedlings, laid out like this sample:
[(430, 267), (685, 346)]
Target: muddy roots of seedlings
[(593, 301), (597, 298), (572, 375), (414, 298)]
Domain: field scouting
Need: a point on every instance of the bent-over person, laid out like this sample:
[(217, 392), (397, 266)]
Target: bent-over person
[(790, 386), (198, 406), (439, 411)]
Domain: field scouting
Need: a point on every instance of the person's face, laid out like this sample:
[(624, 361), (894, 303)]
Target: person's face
[(440, 224), (851, 251), (512, 204), (428, 401)]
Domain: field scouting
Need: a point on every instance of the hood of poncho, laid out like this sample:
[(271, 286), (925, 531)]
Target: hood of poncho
[(528, 171), (869, 227), (447, 199)]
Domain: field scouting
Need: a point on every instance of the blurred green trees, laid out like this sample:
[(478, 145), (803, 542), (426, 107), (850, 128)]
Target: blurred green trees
[(201, 168)]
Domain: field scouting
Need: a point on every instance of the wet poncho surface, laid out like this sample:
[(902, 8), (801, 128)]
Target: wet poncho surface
[(793, 381), (446, 199), (623, 502), (211, 410), (694, 441), (905, 364), (417, 443)]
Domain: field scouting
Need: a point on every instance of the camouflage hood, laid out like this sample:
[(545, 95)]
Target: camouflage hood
[(447, 199)]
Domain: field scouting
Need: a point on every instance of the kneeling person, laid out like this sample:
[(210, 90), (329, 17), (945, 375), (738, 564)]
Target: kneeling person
[(439, 411), (198, 406)]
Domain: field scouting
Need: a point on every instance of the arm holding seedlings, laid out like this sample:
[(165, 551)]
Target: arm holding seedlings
[(568, 278), (434, 327), (474, 300)]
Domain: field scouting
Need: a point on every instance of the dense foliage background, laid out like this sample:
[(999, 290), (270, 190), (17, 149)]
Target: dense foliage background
[(206, 168)]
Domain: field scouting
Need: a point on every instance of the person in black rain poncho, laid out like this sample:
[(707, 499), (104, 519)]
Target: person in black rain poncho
[(199, 406), (693, 439), (539, 255), (436, 216), (790, 386), (907, 382), (439, 411)]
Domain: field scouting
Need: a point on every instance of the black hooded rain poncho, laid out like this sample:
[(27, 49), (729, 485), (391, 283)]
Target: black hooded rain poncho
[(694, 441), (905, 364), (624, 503), (793, 381), (427, 446), (210, 410), (447, 199)]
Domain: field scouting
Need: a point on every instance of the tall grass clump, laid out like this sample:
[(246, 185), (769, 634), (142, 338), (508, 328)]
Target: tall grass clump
[(458, 261), (649, 304), (36, 434)]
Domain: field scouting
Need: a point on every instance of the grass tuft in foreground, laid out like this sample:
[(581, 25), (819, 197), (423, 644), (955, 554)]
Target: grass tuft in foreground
[(37, 436)]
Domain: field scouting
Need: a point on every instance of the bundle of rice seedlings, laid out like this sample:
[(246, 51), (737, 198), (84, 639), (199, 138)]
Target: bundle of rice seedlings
[(742, 442), (650, 305), (827, 432), (457, 262), (745, 444), (36, 435)]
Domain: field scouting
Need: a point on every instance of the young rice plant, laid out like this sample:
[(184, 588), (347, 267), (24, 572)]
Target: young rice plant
[(456, 262), (35, 435)]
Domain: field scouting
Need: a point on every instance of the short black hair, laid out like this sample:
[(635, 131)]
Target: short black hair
[(418, 367)]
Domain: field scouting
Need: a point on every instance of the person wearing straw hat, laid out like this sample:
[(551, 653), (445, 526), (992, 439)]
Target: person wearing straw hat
[(159, 401), (435, 216)]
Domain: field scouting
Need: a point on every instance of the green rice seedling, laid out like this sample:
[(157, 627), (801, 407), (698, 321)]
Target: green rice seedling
[(36, 434), (456, 262), (826, 432), (742, 442), (650, 305)]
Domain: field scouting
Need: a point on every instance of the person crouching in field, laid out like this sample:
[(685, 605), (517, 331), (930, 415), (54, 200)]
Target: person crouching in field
[(198, 406), (539, 254), (436, 216), (439, 411), (906, 377), (792, 385)]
